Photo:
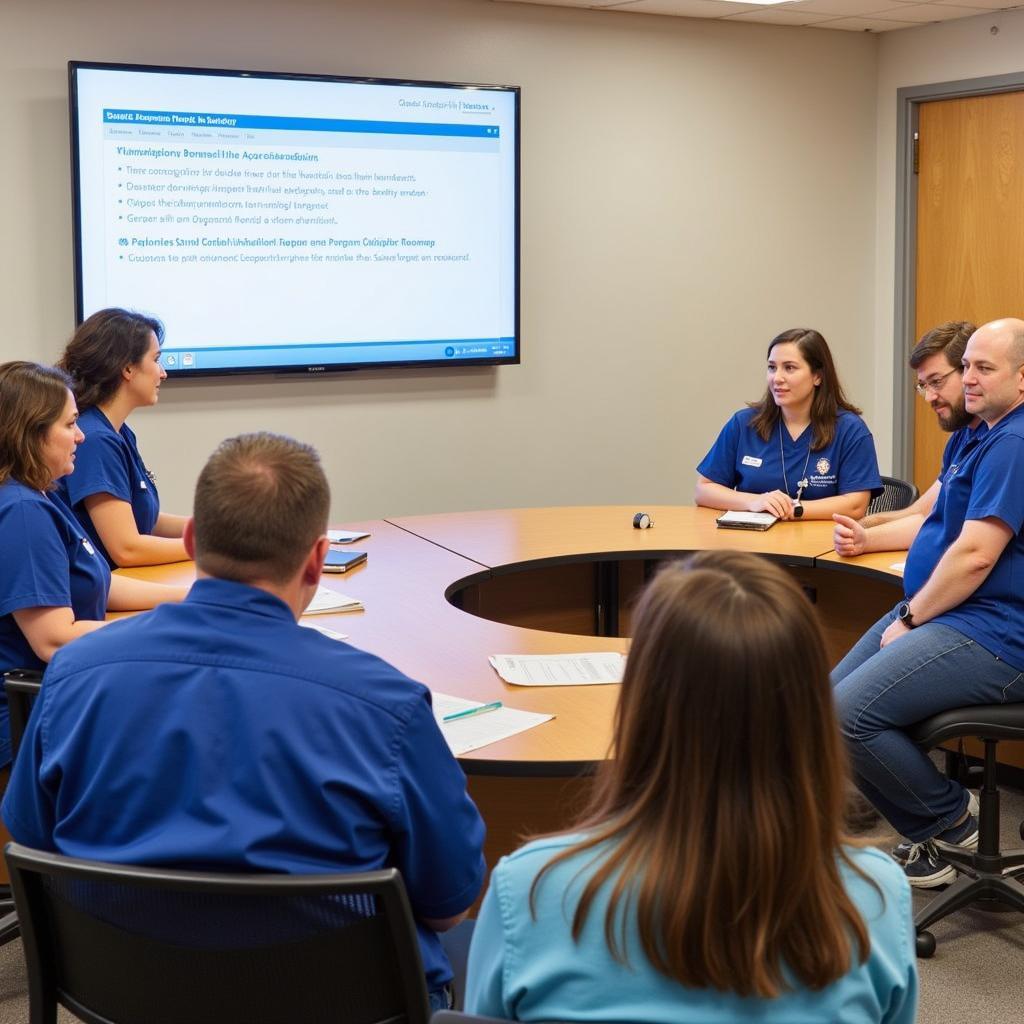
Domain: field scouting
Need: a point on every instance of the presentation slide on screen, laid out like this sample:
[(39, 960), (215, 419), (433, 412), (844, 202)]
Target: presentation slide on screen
[(278, 222)]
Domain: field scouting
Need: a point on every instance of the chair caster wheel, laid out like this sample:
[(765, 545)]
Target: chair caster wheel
[(925, 943)]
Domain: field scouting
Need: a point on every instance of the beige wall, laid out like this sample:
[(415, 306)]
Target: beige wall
[(689, 188), (945, 52)]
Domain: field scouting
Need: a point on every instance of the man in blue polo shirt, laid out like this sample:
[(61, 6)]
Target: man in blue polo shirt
[(958, 637), (937, 360), (219, 734)]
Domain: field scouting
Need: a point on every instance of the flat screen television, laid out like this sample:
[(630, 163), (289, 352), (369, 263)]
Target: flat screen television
[(298, 223)]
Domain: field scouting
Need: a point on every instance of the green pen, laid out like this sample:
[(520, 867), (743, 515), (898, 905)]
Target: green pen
[(493, 706)]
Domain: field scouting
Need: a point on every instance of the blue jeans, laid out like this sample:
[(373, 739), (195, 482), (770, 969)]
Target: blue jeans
[(880, 691)]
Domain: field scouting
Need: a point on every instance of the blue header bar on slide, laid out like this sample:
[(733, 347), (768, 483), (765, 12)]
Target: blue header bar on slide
[(191, 119)]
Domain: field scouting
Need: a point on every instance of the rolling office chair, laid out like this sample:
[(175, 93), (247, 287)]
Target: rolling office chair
[(21, 686), (119, 944), (988, 874), (896, 494)]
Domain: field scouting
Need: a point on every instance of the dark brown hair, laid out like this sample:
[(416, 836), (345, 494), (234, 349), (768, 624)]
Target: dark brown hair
[(102, 347), (949, 338), (717, 825), (828, 396), (32, 398), (261, 502)]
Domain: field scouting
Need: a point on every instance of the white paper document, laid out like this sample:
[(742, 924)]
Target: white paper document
[(559, 669), (331, 634), (345, 536), (327, 600), (475, 731), (898, 566)]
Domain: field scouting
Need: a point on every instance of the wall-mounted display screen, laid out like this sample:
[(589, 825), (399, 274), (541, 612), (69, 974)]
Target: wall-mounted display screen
[(289, 223)]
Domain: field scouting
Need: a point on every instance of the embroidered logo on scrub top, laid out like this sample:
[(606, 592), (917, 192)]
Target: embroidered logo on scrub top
[(88, 547), (142, 485), (749, 460), (823, 466)]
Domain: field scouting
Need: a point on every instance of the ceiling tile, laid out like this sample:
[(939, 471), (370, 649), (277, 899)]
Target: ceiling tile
[(920, 13), (865, 24), (847, 8), (692, 8), (775, 16)]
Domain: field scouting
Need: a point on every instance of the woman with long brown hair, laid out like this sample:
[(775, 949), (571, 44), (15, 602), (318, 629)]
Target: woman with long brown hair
[(710, 878), (802, 450), (54, 586)]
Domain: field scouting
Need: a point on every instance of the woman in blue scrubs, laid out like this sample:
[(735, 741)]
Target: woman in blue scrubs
[(54, 585), (114, 363), (802, 451)]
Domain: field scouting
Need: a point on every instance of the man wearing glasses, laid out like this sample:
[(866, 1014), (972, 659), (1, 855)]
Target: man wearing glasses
[(957, 638), (937, 360)]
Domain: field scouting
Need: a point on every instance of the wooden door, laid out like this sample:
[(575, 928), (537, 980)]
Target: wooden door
[(970, 228)]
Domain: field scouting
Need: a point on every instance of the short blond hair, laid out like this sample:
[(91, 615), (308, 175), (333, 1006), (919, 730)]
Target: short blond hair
[(261, 502)]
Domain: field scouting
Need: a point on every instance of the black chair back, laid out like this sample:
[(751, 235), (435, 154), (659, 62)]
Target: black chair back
[(896, 495), (131, 945), (22, 687)]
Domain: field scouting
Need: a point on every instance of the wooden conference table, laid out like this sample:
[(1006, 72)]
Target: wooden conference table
[(443, 592)]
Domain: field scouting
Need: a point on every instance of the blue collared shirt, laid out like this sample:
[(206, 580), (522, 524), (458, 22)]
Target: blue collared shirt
[(108, 462), (740, 458), (219, 734), (982, 478)]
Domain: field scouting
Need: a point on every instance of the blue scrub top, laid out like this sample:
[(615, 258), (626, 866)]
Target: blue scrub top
[(984, 478), (527, 966), (108, 462), (740, 459), (48, 562), (218, 734), (959, 440)]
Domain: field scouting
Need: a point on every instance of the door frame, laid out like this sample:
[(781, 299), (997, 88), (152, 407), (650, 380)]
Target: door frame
[(908, 104)]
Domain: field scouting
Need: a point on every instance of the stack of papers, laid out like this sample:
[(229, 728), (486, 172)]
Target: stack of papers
[(559, 669), (327, 600), (475, 731)]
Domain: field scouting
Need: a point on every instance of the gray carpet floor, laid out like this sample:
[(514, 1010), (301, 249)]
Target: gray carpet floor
[(975, 977)]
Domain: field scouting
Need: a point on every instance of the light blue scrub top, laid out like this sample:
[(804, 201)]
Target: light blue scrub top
[(521, 968)]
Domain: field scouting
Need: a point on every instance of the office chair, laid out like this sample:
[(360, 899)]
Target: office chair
[(118, 944), (989, 875), (455, 1017), (896, 494), (21, 686)]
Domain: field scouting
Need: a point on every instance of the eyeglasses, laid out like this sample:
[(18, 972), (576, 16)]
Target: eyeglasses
[(933, 384)]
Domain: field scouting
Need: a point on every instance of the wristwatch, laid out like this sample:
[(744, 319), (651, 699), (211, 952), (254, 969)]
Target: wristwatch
[(903, 614), (798, 509)]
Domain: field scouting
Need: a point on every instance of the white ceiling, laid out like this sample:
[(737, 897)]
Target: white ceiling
[(846, 15)]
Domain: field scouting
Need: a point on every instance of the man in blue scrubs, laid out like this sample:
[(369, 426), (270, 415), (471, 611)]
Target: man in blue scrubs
[(218, 734), (958, 637), (937, 360)]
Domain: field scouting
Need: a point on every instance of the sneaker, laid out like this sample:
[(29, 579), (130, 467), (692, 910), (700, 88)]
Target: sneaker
[(924, 866), (965, 834), (923, 863)]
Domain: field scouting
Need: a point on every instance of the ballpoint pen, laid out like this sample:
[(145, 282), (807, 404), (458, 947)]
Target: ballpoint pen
[(493, 706)]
